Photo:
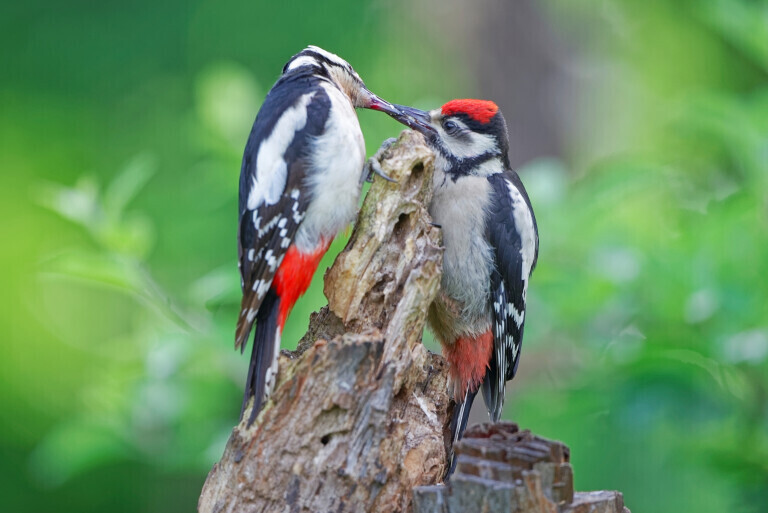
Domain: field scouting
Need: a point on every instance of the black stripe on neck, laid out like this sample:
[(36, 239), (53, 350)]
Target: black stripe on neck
[(462, 167)]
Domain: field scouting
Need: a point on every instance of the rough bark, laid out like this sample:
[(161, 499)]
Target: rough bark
[(360, 414)]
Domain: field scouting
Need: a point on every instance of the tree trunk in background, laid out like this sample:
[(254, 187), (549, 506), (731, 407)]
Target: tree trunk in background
[(508, 52), (360, 414)]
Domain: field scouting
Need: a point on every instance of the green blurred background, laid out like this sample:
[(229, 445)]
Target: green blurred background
[(639, 128)]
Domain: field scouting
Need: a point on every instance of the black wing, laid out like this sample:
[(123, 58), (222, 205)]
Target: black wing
[(266, 231), (508, 282)]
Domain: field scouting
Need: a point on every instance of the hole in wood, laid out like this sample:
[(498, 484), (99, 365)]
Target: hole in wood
[(401, 227), (415, 179)]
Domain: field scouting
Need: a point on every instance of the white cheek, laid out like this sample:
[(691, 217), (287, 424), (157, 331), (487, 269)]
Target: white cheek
[(483, 143), (477, 144)]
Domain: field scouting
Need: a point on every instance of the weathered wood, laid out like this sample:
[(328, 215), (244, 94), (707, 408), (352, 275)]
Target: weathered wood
[(360, 412), (502, 469), (603, 501)]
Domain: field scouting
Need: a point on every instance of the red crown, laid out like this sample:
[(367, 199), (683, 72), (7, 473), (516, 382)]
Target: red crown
[(480, 110)]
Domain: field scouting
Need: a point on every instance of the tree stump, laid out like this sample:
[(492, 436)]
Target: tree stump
[(502, 469), (360, 413)]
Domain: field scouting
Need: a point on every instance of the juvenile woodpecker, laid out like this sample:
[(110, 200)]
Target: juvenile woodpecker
[(491, 246), (300, 184)]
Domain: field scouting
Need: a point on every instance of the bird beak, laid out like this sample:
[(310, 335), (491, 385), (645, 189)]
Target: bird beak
[(376, 103), (416, 119)]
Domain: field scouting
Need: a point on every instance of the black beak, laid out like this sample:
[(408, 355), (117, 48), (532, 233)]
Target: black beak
[(416, 119)]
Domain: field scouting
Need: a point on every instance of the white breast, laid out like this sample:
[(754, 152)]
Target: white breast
[(460, 208), (338, 157)]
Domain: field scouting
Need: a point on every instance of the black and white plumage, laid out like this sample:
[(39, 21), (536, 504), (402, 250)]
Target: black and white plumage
[(491, 247), (513, 235), (300, 184)]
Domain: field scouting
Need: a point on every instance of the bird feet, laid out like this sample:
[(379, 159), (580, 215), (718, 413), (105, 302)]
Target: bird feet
[(373, 164)]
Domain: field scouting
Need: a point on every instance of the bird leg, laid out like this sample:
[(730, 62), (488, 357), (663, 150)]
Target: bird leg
[(373, 164)]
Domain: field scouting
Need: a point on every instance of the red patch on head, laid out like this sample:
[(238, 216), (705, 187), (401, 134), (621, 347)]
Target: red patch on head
[(480, 110)]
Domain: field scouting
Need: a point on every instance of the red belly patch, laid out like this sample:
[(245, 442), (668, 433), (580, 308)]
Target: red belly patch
[(294, 276), (468, 358)]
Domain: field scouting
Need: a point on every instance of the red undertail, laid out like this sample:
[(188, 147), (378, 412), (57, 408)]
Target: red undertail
[(468, 358), (294, 276)]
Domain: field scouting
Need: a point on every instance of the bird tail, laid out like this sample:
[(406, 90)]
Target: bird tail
[(459, 424), (494, 384), (262, 369)]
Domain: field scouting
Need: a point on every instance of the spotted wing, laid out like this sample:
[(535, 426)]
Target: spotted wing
[(512, 233), (273, 202), (265, 235)]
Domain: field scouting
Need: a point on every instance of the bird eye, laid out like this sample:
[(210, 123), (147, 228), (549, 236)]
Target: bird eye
[(450, 126)]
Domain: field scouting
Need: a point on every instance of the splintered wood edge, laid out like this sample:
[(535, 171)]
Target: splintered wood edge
[(412, 432)]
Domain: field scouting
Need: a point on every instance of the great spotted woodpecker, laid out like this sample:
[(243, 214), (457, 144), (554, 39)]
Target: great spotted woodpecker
[(300, 184), (491, 247)]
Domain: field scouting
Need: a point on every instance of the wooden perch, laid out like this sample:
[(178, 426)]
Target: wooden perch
[(360, 413), (502, 469), (359, 416)]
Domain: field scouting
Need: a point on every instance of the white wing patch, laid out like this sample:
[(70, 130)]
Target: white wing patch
[(524, 224), (271, 168)]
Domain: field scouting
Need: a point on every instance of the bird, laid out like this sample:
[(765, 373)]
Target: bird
[(300, 183), (491, 247)]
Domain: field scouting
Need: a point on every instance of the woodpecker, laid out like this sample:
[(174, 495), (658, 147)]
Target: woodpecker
[(300, 184), (491, 246)]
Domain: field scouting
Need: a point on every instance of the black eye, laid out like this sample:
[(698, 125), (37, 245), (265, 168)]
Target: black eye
[(450, 127)]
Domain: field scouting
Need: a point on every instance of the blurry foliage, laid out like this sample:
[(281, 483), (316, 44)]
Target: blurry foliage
[(650, 289), (122, 132), (156, 401)]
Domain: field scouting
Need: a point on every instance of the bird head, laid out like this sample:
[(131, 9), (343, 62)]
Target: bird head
[(465, 133), (332, 67)]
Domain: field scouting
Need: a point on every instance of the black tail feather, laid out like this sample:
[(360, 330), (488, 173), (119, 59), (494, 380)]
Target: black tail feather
[(459, 424), (494, 386), (262, 354)]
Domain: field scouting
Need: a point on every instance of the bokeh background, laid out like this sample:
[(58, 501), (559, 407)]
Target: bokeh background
[(639, 128)]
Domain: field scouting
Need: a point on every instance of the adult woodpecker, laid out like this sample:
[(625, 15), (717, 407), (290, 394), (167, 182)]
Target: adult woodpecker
[(300, 184), (491, 247)]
